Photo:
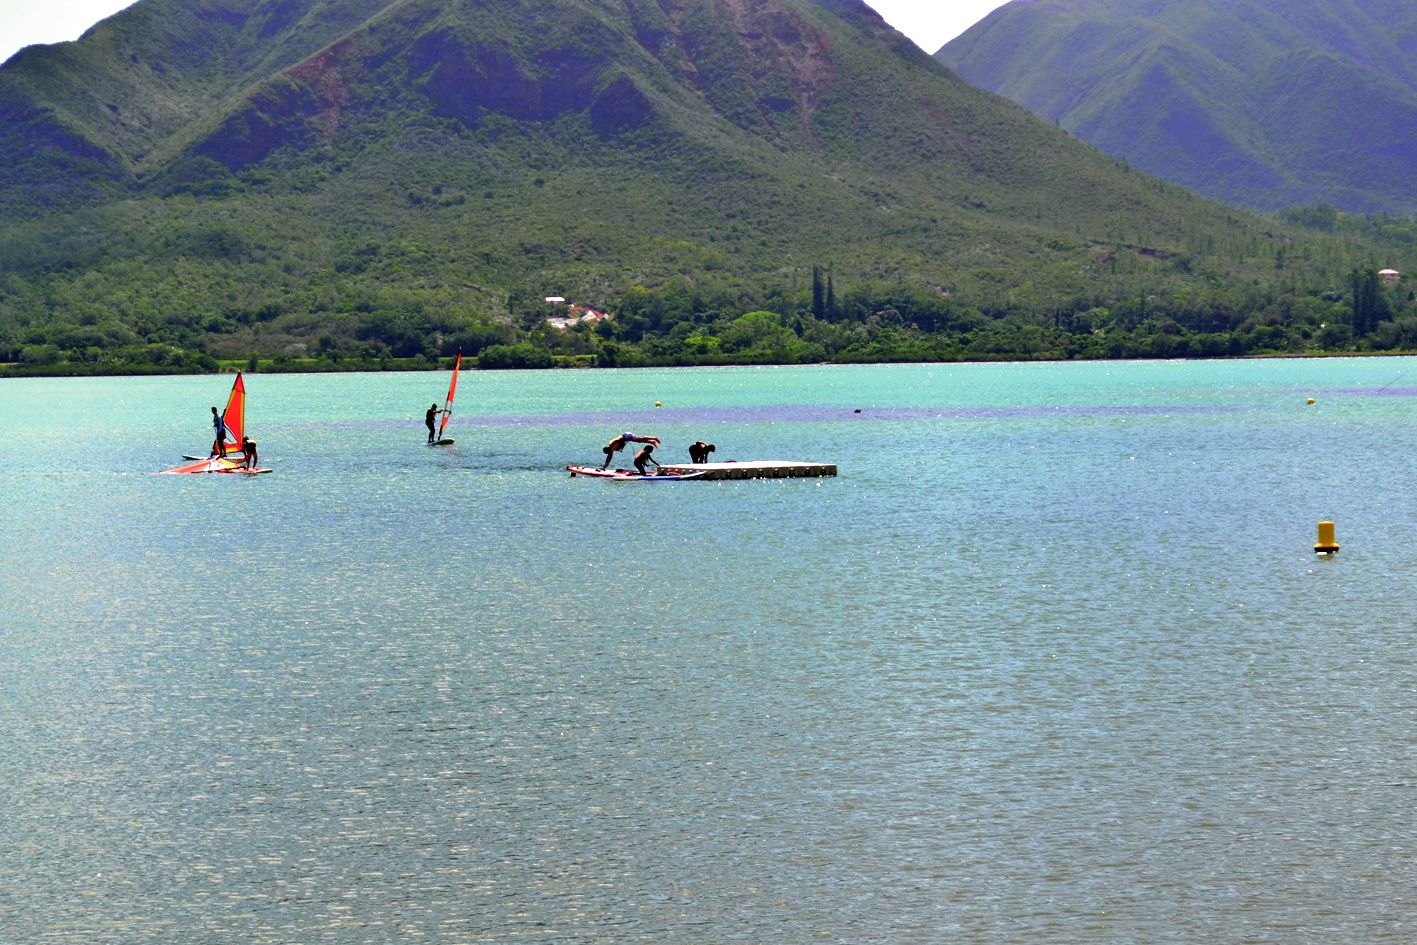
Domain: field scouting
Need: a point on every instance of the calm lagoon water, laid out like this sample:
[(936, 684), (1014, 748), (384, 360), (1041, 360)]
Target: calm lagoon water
[(1051, 661)]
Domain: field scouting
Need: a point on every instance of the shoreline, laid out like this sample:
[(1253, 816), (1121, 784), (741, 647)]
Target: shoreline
[(14, 371)]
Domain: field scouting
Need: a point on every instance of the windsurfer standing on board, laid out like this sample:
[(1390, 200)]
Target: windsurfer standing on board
[(248, 453), (429, 418), (617, 444), (219, 422)]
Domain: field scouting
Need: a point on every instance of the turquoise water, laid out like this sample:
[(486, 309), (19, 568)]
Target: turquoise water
[(1051, 661)]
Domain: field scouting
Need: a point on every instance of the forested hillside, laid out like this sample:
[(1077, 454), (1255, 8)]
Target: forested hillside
[(361, 180)]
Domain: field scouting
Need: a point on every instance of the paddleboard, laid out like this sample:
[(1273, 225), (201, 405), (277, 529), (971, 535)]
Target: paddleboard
[(629, 475), (443, 442)]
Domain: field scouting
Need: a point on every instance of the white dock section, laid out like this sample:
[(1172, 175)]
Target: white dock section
[(754, 469)]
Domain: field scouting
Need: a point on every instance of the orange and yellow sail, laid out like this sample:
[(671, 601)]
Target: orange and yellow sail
[(235, 414)]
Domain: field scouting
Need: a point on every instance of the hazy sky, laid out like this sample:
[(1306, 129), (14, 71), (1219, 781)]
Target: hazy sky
[(931, 23)]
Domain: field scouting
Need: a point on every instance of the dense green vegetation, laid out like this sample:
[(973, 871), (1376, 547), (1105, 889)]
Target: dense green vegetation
[(1142, 309), (417, 184), (1263, 103)]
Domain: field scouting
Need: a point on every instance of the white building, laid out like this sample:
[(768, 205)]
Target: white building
[(575, 314)]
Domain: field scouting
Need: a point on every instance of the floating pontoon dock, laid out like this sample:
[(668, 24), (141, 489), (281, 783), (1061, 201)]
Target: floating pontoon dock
[(756, 469)]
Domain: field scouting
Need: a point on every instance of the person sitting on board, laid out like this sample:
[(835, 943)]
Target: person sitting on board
[(699, 450), (617, 444), (248, 453), (429, 417), (643, 457), (219, 421)]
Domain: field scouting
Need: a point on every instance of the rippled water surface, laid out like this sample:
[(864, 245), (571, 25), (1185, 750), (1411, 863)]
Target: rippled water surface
[(1051, 661)]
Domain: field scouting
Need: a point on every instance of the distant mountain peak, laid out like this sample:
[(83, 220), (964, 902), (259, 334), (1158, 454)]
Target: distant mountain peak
[(1301, 101)]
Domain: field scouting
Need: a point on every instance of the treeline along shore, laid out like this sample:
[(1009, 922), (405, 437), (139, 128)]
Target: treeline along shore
[(681, 324)]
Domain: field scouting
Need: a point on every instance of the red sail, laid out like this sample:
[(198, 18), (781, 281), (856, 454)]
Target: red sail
[(448, 404), (235, 415)]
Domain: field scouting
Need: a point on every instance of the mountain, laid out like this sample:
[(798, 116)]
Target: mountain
[(1263, 103), (409, 177)]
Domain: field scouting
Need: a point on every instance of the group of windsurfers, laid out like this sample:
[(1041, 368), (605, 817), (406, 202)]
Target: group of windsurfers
[(247, 446), (698, 451)]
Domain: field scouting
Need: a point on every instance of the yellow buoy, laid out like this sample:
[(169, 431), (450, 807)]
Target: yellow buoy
[(656, 403), (1326, 545), (1310, 401)]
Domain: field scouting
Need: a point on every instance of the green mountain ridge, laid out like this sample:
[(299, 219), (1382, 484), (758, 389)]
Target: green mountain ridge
[(407, 177), (1264, 104)]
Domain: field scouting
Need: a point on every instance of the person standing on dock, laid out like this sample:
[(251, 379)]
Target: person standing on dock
[(219, 445), (699, 451), (430, 419), (617, 444), (643, 456)]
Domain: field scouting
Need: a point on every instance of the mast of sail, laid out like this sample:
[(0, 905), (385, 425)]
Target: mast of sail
[(235, 414), (452, 389)]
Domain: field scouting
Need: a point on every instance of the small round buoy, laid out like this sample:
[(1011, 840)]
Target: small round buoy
[(657, 403), (1310, 401)]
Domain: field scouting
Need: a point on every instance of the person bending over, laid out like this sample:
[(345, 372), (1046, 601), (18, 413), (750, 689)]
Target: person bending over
[(617, 444), (699, 451)]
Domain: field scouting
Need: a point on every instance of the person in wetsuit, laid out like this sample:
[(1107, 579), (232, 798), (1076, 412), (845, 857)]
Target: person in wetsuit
[(219, 423), (699, 450), (617, 444), (429, 418)]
